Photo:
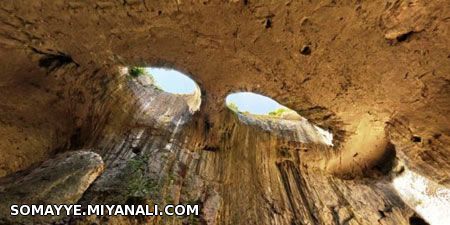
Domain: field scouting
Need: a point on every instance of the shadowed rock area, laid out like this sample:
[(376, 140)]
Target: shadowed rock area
[(60, 180), (374, 74)]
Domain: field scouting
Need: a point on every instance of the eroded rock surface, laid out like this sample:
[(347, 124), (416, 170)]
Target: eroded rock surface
[(375, 74), (60, 180)]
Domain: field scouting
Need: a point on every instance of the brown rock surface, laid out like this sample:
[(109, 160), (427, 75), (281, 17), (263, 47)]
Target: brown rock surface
[(376, 74), (60, 180)]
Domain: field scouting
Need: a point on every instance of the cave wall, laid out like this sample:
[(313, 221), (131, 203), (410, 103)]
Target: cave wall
[(375, 74)]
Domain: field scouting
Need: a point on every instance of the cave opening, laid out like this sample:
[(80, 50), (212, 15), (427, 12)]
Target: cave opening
[(364, 138), (429, 199), (260, 110), (167, 80), (172, 81), (249, 103)]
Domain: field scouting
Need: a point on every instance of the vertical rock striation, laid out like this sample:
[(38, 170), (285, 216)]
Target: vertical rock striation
[(374, 74)]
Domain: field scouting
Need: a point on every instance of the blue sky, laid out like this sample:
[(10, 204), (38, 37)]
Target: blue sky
[(172, 81), (176, 82), (253, 103)]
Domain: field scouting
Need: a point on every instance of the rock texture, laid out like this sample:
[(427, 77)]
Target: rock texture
[(60, 180), (375, 74)]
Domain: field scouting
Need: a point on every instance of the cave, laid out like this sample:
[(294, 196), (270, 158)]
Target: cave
[(256, 104), (172, 81), (262, 112), (362, 136)]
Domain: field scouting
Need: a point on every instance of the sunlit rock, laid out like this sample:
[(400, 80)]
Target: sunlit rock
[(366, 84)]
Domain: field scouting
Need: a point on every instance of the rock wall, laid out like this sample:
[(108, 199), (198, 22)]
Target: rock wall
[(375, 74)]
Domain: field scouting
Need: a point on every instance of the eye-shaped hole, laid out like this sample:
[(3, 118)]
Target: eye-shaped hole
[(166, 80), (172, 81), (249, 103), (261, 110)]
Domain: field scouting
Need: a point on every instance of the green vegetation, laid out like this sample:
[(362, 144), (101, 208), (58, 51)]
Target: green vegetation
[(233, 107), (155, 85), (139, 184), (279, 112), (275, 113), (143, 187), (136, 71), (193, 219)]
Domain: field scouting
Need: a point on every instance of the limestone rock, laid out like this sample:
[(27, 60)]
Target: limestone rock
[(375, 75), (60, 180)]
